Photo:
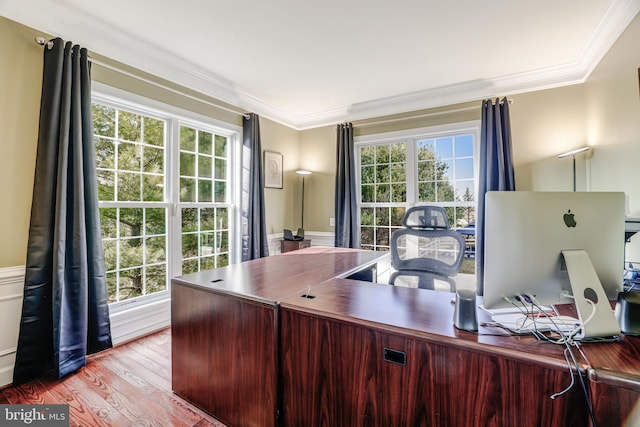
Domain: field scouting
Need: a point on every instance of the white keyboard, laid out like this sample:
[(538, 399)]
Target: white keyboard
[(515, 310)]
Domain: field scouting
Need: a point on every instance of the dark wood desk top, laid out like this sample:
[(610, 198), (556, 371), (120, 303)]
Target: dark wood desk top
[(271, 279), (420, 313)]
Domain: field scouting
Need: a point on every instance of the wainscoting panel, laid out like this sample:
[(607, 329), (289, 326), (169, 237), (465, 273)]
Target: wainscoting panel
[(11, 285)]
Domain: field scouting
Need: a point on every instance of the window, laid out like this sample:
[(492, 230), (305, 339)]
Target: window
[(383, 177), (445, 175), (423, 166), (203, 193), (161, 218)]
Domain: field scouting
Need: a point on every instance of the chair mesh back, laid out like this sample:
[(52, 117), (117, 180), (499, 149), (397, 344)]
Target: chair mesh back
[(439, 251)]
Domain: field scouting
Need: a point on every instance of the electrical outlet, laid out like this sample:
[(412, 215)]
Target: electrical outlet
[(332, 222)]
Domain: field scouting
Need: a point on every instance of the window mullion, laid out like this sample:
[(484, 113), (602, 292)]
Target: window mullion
[(411, 171), (235, 209), (175, 213)]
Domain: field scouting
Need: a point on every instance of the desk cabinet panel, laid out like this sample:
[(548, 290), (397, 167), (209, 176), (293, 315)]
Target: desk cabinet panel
[(336, 373), (615, 405), (614, 374), (224, 355)]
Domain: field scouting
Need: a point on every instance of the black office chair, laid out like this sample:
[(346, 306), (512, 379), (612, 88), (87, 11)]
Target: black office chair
[(426, 251)]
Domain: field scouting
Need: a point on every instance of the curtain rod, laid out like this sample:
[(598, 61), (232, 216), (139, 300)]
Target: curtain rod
[(49, 44), (420, 116)]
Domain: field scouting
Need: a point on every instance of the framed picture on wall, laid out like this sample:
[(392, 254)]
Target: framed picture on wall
[(272, 169)]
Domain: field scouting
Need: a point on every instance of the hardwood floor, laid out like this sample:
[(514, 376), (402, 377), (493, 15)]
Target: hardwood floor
[(124, 386)]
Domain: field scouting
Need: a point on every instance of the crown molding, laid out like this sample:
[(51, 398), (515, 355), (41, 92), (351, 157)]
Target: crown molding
[(98, 37), (67, 22), (613, 23)]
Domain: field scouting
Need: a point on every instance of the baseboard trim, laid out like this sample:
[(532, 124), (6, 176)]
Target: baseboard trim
[(6, 372), (127, 325)]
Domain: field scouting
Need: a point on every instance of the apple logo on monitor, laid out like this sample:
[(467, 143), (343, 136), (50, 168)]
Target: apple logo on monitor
[(569, 219)]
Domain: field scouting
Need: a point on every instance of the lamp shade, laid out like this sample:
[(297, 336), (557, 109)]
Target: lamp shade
[(574, 152)]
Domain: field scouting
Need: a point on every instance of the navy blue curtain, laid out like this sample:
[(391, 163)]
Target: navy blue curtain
[(254, 235), (65, 313), (346, 193), (496, 167)]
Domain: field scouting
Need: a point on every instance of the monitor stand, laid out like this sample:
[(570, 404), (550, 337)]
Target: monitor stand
[(585, 284)]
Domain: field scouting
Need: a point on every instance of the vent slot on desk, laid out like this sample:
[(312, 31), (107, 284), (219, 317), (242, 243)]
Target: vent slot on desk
[(395, 356)]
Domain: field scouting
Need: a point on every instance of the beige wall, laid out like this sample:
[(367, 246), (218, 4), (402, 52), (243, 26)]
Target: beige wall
[(613, 124), (318, 154), (543, 125), (613, 118), (282, 211), (20, 86), (604, 112)]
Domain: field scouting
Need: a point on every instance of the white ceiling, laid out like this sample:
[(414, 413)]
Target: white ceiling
[(307, 64)]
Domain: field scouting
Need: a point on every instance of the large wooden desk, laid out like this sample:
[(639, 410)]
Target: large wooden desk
[(224, 333), (248, 348)]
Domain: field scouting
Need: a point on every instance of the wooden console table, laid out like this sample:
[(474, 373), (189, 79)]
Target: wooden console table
[(294, 245)]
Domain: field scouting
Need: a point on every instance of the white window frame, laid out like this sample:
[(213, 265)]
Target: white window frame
[(410, 138), (176, 117)]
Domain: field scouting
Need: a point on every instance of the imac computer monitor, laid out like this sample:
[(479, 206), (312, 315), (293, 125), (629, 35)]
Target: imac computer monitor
[(525, 233)]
